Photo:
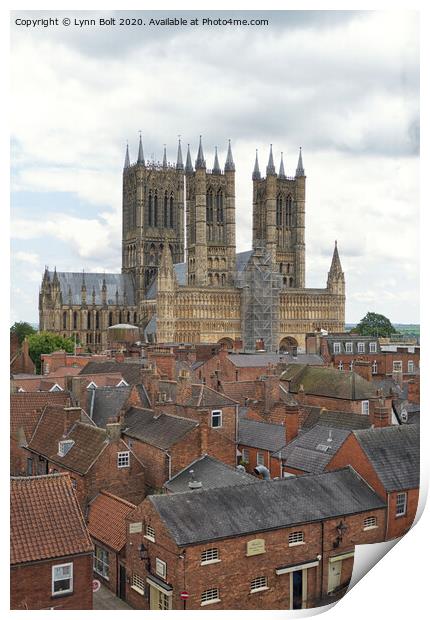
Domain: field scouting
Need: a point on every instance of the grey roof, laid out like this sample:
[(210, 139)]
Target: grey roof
[(106, 402), (412, 409), (307, 451), (335, 419), (253, 360), (201, 395), (212, 473), (394, 452), (123, 282), (160, 430), (131, 370), (324, 381), (390, 387), (206, 515), (262, 435)]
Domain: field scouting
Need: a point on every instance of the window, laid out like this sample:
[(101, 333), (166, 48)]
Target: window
[(245, 455), (296, 538), (150, 533), (123, 459), (336, 347), (29, 467), (62, 578), (397, 366), (372, 347), (351, 365), (348, 347), (101, 562), (64, 447), (91, 385), (259, 583), (411, 366), (138, 584), (209, 556), (365, 407), (374, 367), (260, 458), (163, 601), (369, 523), (401, 501), (216, 419), (160, 568), (210, 596), (340, 366), (361, 347)]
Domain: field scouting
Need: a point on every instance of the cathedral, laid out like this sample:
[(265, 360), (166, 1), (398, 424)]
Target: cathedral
[(182, 280)]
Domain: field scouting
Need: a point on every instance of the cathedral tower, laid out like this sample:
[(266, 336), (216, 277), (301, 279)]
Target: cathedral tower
[(279, 218), (211, 229), (153, 211)]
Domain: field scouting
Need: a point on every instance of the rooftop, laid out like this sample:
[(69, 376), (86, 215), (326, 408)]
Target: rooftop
[(328, 382), (261, 435), (157, 429), (26, 407), (106, 520)]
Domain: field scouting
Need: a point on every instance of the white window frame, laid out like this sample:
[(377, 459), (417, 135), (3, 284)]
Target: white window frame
[(365, 408), (296, 538), (340, 365), (103, 562), (63, 444), (349, 347), (245, 455), (374, 367), (149, 533), (123, 459), (404, 496), (216, 413), (336, 347), (138, 584), (361, 347), (210, 556), (411, 366), (92, 386), (214, 597), (397, 366), (160, 568), (53, 580), (351, 365), (373, 347), (370, 523), (259, 584), (122, 383), (260, 458)]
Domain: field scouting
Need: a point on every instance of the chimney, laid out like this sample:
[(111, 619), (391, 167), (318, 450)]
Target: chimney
[(300, 396), (398, 377), (271, 391), (71, 415), (414, 390), (291, 422), (165, 361), (119, 356), (113, 431), (78, 388), (183, 388), (381, 414), (364, 369), (237, 344), (151, 382), (204, 437)]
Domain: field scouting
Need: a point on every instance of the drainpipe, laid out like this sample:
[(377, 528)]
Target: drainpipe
[(387, 518), (322, 560), (170, 464)]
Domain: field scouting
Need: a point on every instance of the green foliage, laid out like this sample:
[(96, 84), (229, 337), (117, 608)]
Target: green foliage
[(46, 342), (22, 329), (374, 325)]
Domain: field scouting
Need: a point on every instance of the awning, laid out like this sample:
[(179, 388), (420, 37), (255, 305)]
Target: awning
[(293, 567), (158, 584), (344, 556)]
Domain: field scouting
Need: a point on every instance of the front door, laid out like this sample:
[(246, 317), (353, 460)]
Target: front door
[(122, 581), (297, 589), (334, 571), (158, 600)]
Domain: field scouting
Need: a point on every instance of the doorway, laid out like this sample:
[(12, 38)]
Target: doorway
[(297, 589), (334, 573), (122, 582)]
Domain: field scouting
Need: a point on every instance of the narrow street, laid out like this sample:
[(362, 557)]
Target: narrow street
[(105, 599)]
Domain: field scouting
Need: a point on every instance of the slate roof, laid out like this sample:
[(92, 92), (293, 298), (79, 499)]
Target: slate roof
[(106, 519), (212, 473), (303, 453), (160, 430), (335, 419), (201, 395), (89, 440), (131, 371), (412, 409), (261, 435), (239, 390), (26, 407), (106, 402), (207, 515), (390, 387), (123, 282), (328, 382), (255, 360), (394, 452), (45, 519)]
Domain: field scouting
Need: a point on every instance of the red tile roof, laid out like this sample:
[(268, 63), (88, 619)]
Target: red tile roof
[(107, 519), (25, 409), (46, 521)]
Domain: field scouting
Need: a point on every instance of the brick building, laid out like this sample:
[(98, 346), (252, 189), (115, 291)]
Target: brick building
[(20, 360), (291, 548), (51, 550), (388, 459)]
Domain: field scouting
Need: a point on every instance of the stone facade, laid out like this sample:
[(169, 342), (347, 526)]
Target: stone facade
[(215, 294)]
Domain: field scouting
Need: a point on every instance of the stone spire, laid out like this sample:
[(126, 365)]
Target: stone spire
[(229, 163), (166, 261), (140, 156), (256, 176), (69, 295), (164, 157), (336, 277), (200, 161), (93, 295), (55, 278), (270, 169), (179, 162), (127, 158), (83, 290), (336, 267), (188, 165), (281, 168), (216, 167), (300, 171), (84, 286)]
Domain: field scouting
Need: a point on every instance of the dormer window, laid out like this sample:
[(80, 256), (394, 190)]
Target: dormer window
[(122, 383), (336, 347), (91, 386), (64, 446), (348, 347), (56, 388)]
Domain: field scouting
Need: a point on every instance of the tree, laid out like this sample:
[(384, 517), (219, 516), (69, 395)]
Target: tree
[(22, 329), (46, 342), (374, 325)]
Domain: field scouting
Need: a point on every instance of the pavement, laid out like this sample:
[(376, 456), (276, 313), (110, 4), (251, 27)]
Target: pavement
[(105, 599)]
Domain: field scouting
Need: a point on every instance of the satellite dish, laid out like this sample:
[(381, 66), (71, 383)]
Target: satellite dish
[(404, 415)]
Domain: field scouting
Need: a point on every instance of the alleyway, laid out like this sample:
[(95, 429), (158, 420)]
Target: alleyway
[(105, 599)]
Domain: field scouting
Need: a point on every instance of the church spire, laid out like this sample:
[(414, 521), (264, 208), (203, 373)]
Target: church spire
[(179, 162), (200, 161), (229, 163), (270, 166), (188, 164), (336, 267), (336, 277), (127, 158), (281, 168), (216, 167), (300, 171), (140, 156), (256, 176), (164, 157)]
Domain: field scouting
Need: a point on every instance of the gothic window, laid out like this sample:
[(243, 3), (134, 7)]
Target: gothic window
[(150, 209), (110, 319), (155, 209), (279, 211), (288, 267), (135, 318), (285, 281), (280, 267), (219, 207), (89, 320), (291, 282), (217, 279), (120, 317), (75, 320), (171, 210), (209, 207), (165, 220), (223, 279), (97, 320), (210, 279), (288, 212), (64, 320), (128, 317)]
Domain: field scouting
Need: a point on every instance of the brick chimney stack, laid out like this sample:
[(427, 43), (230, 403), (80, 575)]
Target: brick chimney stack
[(71, 415), (291, 422), (184, 388), (113, 430), (364, 369), (271, 391), (204, 436), (151, 381), (381, 414)]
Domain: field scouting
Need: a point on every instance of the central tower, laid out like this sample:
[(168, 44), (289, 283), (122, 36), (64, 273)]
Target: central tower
[(152, 214)]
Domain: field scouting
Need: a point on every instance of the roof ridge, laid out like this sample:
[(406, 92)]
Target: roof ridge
[(260, 422), (117, 498)]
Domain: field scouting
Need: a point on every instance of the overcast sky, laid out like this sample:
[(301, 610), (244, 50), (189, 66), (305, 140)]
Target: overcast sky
[(342, 85)]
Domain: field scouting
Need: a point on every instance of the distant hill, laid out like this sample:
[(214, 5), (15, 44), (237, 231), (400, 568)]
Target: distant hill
[(407, 329)]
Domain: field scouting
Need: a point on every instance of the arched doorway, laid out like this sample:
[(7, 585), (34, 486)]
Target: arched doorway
[(227, 343), (288, 345)]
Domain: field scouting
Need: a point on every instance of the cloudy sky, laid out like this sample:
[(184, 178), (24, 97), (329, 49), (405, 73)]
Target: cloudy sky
[(342, 85)]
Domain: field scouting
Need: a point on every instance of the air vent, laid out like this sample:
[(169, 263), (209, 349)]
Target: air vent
[(322, 448)]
